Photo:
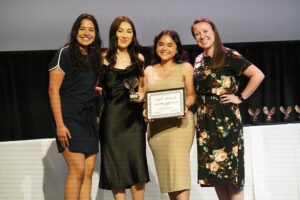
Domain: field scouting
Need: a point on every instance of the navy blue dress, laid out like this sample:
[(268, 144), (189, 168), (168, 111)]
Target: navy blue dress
[(77, 104), (122, 133)]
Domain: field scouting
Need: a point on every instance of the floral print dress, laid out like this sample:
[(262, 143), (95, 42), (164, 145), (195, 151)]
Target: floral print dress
[(219, 127)]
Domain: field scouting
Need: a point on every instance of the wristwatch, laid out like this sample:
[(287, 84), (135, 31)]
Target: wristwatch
[(241, 98)]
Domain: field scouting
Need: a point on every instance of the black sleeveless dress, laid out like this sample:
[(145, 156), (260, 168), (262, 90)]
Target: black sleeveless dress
[(122, 133)]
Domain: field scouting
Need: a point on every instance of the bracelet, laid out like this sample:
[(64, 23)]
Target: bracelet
[(241, 98)]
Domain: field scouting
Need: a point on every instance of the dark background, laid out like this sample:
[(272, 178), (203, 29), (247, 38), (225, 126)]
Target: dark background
[(24, 103)]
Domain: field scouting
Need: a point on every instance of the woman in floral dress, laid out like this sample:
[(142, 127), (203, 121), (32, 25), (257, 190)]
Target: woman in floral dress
[(219, 127)]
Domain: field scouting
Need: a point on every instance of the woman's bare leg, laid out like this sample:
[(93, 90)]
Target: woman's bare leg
[(138, 191), (75, 162), (180, 195), (119, 193), (235, 194), (89, 166), (222, 192)]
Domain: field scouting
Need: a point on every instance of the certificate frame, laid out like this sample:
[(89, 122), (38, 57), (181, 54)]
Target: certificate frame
[(165, 103)]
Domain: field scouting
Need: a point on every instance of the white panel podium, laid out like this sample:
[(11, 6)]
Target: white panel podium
[(33, 170)]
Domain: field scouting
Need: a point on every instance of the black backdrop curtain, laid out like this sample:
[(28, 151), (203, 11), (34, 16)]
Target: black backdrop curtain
[(24, 103), (25, 109)]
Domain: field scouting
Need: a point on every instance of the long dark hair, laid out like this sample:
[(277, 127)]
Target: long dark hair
[(133, 48), (80, 62), (219, 49), (180, 56)]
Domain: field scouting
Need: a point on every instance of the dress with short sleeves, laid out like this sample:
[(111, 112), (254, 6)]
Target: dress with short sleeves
[(219, 127), (122, 132), (77, 97)]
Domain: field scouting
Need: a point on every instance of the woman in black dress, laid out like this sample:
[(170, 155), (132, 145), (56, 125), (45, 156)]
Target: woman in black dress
[(219, 127), (73, 75), (122, 127)]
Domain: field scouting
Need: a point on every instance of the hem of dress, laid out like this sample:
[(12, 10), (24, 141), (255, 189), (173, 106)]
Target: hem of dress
[(78, 151), (213, 185), (176, 190), (125, 187), (207, 185)]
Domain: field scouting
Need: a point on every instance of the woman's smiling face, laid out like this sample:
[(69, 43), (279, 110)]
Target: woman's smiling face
[(166, 48), (86, 34), (124, 35), (204, 36)]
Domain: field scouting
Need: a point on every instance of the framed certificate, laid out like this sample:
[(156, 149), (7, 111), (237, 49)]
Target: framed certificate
[(165, 103)]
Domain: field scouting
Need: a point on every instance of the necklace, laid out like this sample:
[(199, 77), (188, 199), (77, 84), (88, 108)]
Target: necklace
[(122, 61)]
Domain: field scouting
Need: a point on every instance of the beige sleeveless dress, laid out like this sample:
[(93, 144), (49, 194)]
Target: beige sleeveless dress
[(171, 140)]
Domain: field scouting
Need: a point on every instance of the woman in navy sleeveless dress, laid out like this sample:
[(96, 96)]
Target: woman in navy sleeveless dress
[(73, 75)]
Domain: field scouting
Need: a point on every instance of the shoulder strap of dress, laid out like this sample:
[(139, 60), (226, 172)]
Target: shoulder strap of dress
[(150, 80), (180, 67), (178, 71)]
